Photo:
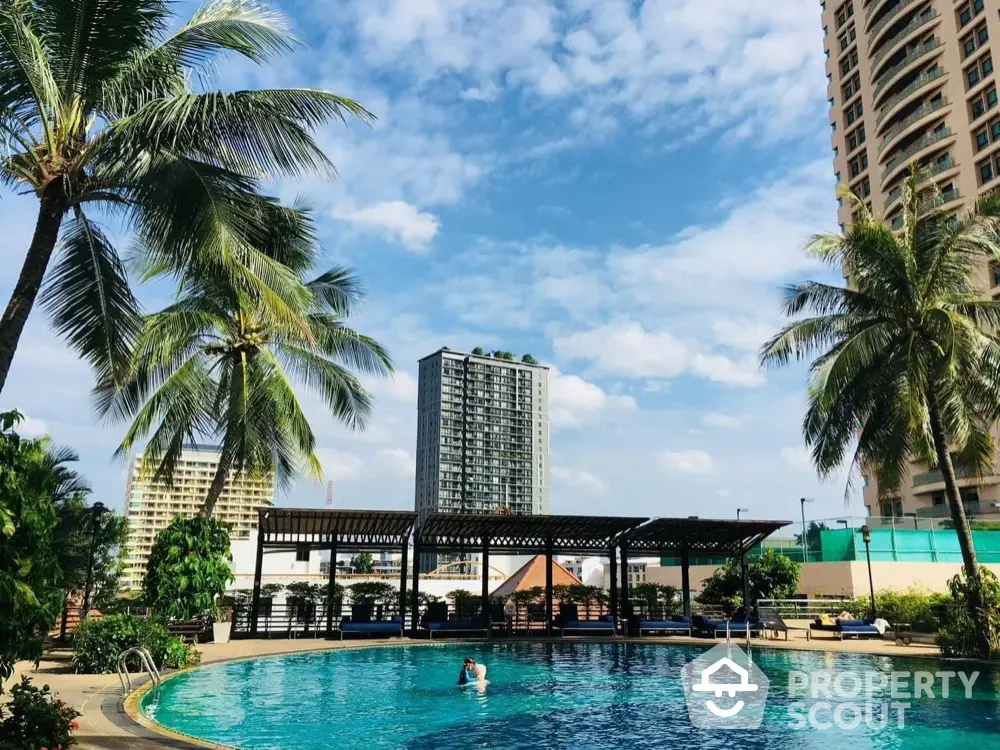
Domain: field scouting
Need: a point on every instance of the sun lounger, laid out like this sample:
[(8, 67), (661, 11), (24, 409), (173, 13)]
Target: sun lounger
[(857, 629), (678, 626), (568, 621), (362, 623), (436, 621)]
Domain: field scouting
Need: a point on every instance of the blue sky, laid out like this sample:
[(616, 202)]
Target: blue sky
[(615, 186)]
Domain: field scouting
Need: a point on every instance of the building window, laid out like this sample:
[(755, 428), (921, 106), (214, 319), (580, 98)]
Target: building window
[(986, 172), (978, 108), (983, 35), (987, 66), (973, 76), (991, 98), (302, 553)]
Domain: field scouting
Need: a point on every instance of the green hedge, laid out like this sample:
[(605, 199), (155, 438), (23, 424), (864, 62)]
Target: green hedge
[(98, 642), (921, 609)]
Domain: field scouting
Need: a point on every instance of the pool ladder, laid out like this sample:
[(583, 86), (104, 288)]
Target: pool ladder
[(147, 665)]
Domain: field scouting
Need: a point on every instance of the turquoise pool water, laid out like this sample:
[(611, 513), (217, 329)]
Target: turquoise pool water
[(562, 695)]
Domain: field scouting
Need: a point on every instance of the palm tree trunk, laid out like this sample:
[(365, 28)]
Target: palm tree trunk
[(22, 299), (955, 503), (976, 604), (218, 483)]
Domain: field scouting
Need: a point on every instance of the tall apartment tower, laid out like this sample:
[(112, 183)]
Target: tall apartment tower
[(482, 435), (913, 81), (151, 505)]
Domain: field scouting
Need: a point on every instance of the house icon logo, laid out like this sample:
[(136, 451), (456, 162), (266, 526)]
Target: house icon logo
[(724, 689)]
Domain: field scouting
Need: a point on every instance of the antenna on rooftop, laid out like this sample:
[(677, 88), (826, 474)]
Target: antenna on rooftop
[(329, 494)]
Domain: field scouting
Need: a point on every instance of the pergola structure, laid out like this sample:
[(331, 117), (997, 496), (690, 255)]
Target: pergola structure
[(548, 535), (335, 530), (702, 536), (604, 536)]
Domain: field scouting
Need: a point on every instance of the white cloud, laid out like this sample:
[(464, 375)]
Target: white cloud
[(394, 219), (723, 493), (339, 466), (798, 458), (489, 92), (578, 478), (32, 428), (400, 387), (573, 400), (748, 336), (687, 462), (717, 419), (398, 461), (628, 349)]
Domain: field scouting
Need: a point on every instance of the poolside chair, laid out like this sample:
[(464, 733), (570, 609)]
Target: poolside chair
[(569, 622), (856, 629), (674, 625), (361, 622), (436, 622)]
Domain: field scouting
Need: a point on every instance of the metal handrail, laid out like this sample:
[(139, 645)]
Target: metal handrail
[(890, 74), (918, 83), (147, 663), (912, 26), (919, 113)]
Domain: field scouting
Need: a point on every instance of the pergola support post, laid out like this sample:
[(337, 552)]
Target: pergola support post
[(484, 569), (331, 586), (548, 586), (257, 573), (613, 584), (402, 583), (626, 607), (686, 582), (745, 565), (415, 589)]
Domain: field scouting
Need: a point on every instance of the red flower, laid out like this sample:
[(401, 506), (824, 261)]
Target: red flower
[(74, 725)]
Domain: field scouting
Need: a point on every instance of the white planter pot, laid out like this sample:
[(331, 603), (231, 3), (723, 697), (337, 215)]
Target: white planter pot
[(220, 631)]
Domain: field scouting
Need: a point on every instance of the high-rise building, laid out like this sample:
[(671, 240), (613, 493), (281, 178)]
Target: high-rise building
[(913, 81), (150, 505), (482, 435)]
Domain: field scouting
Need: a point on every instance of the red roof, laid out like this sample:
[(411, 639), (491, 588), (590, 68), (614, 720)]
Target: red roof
[(532, 574)]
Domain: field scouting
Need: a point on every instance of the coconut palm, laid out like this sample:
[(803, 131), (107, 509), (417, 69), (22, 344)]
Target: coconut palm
[(105, 113), (907, 360), (215, 364)]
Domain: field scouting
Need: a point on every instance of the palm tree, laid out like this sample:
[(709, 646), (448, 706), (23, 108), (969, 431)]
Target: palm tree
[(98, 117), (907, 360), (216, 364)]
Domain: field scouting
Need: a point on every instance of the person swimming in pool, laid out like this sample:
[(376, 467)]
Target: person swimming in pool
[(471, 672)]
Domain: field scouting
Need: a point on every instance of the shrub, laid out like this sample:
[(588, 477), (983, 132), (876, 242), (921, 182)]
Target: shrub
[(34, 718), (961, 636), (188, 567), (919, 608), (98, 642)]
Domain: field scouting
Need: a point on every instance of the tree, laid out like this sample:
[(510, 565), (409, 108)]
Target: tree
[(363, 562), (374, 594), (529, 360), (654, 594), (189, 566), (771, 576), (813, 535), (216, 363), (31, 595), (465, 602), (907, 361), (99, 117), (478, 351)]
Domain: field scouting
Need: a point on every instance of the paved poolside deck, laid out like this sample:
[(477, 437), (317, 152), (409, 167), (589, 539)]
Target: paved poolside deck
[(105, 725)]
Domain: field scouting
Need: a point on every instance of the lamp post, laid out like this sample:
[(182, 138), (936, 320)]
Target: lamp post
[(866, 537), (741, 510), (805, 547), (97, 510), (843, 521)]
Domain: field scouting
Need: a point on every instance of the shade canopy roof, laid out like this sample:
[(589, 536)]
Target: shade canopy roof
[(699, 535), (582, 535), (354, 530)]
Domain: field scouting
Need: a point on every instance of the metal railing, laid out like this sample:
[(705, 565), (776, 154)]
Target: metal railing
[(911, 57), (918, 114), (925, 141), (932, 171), (145, 663), (916, 23), (804, 609), (884, 20), (917, 83)]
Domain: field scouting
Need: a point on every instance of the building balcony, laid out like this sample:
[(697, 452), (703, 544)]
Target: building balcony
[(910, 122), (894, 103), (898, 40), (918, 54), (934, 476), (927, 141), (932, 171), (875, 32)]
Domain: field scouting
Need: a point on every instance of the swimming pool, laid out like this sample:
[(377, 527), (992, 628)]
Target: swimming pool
[(551, 695)]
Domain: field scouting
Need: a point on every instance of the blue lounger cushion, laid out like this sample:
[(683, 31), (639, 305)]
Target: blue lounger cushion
[(589, 625), (865, 628), (457, 625), (664, 625), (372, 627)]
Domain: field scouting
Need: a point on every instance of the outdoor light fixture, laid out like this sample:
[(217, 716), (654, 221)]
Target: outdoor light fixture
[(741, 510), (97, 510), (805, 549), (843, 521), (866, 537)]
